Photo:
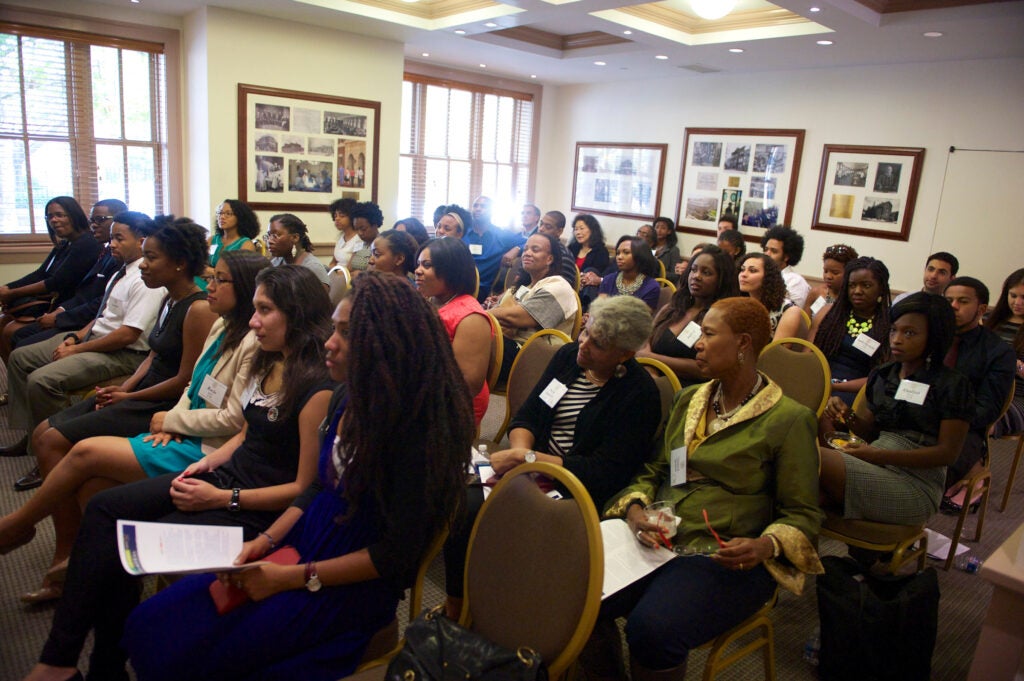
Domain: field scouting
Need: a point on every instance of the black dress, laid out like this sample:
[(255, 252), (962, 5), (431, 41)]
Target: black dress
[(131, 417)]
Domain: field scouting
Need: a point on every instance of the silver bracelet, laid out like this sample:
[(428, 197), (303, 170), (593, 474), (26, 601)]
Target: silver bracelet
[(273, 544)]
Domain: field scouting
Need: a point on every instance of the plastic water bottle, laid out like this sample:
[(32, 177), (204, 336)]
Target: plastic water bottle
[(812, 647)]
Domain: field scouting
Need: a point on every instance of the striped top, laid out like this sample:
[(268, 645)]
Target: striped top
[(563, 428)]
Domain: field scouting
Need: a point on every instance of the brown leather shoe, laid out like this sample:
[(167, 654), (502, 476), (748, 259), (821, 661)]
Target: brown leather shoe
[(44, 594), (19, 448)]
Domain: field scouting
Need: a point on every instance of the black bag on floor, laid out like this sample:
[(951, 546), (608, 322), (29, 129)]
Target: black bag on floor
[(876, 628)]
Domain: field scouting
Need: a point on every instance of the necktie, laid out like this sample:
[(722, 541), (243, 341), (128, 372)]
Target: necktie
[(106, 296), (954, 352)]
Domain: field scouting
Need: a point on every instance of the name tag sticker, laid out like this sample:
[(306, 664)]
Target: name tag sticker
[(866, 344), (678, 473), (521, 292), (817, 305), (553, 393), (249, 391), (213, 248), (213, 391), (912, 391), (476, 249), (690, 334)]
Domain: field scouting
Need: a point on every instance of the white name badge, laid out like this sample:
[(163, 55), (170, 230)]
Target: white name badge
[(213, 391), (521, 292), (912, 391), (690, 334), (866, 344), (817, 305), (476, 249), (678, 472), (554, 392), (249, 391), (213, 248)]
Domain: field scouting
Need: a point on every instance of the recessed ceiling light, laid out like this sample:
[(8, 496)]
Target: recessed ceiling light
[(533, 75), (491, 24), (135, 2), (424, 54), (815, 9), (735, 50), (627, 33), (933, 34), (483, 66), (460, 31), (600, 63), (661, 56), (824, 42)]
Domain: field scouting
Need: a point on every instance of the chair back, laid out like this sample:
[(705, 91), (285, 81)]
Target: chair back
[(340, 280), (860, 403), (803, 376), (661, 269), (476, 291), (668, 289), (806, 328), (497, 351), (668, 385), (577, 277), (526, 370), (535, 583), (577, 322)]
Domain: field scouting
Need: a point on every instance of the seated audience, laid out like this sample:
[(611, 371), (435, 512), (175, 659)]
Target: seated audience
[(394, 252), (446, 275), (348, 241), (853, 332), (899, 477), (389, 481), (540, 299), (665, 248), (1007, 320), (488, 245), (833, 261), (288, 244), (786, 248), (368, 220), (415, 228), (646, 232), (247, 481), (732, 242), (637, 273), (738, 459), (452, 222), (727, 222), (552, 223), (760, 278), (591, 255), (710, 276), (207, 413), (939, 268), (237, 228)]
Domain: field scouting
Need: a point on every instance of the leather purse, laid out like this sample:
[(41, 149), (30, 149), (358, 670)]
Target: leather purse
[(438, 649), (227, 597)]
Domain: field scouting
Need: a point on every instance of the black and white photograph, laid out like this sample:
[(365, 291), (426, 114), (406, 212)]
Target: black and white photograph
[(269, 174), (625, 167), (707, 182), (623, 180), (306, 121), (887, 179), (707, 154), (769, 158), (589, 164), (642, 195), (350, 125), (880, 209), (761, 214), (273, 117), (851, 174), (310, 176), (266, 143), (351, 163), (732, 201), (762, 188), (321, 146), (737, 157), (603, 191), (703, 208), (293, 144)]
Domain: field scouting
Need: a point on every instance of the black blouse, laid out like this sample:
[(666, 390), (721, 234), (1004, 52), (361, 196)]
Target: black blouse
[(949, 397)]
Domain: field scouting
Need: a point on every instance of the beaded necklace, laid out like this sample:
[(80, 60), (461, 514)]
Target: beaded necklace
[(722, 420), (628, 289), (855, 328)]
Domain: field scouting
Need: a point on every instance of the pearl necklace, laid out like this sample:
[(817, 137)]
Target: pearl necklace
[(628, 289), (855, 328), (722, 420)]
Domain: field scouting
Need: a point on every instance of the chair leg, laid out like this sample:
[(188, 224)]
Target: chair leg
[(983, 507), (1013, 472), (970, 488)]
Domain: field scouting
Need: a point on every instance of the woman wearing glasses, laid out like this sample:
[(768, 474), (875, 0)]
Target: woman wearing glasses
[(237, 228), (739, 467)]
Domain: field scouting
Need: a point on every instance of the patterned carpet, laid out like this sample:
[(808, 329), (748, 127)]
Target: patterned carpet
[(965, 597)]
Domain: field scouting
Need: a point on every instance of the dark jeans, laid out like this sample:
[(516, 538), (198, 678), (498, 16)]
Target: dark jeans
[(98, 593), (684, 604)]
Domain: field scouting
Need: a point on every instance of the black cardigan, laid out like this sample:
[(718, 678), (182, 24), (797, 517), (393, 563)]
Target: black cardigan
[(614, 432), (597, 260), (68, 263)]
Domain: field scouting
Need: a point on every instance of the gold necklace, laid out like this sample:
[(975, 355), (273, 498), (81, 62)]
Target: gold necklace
[(593, 378)]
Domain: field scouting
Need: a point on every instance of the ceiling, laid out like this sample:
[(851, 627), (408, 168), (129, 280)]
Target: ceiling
[(586, 41)]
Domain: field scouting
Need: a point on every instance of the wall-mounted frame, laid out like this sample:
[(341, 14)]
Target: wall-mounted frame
[(300, 151), (624, 180), (868, 191), (748, 172)]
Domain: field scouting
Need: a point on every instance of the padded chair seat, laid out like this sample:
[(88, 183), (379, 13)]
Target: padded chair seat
[(869, 531)]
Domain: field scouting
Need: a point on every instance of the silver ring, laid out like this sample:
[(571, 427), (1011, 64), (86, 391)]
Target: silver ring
[(638, 533)]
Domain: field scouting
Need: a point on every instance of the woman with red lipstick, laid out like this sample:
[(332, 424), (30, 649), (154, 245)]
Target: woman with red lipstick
[(1007, 319), (919, 412), (709, 276), (853, 332)]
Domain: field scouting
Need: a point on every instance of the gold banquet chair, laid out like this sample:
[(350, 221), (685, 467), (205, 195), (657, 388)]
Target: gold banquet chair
[(668, 385), (718, 661), (803, 375), (526, 370)]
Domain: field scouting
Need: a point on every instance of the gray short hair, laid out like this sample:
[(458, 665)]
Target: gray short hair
[(623, 322)]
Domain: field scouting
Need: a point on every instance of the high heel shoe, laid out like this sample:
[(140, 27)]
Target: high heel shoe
[(18, 542), (44, 594)]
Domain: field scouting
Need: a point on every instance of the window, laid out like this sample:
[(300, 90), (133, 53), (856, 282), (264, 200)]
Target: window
[(80, 115), (460, 141)]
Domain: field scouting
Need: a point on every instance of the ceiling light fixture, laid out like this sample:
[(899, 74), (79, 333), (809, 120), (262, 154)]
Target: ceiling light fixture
[(712, 9), (483, 66), (533, 75), (600, 63), (424, 54), (491, 24), (460, 31), (662, 57), (815, 9), (627, 33), (736, 50), (825, 42), (933, 34)]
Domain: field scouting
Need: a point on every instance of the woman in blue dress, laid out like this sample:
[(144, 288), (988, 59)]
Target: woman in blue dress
[(392, 466)]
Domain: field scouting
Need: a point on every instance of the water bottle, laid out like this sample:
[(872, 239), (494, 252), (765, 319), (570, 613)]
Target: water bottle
[(812, 647)]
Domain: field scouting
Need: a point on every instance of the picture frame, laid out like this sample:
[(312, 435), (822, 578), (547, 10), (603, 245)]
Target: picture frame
[(748, 172), (621, 180), (301, 151), (868, 190)]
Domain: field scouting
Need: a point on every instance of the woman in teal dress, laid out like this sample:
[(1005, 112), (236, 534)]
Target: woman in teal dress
[(210, 408), (237, 228)]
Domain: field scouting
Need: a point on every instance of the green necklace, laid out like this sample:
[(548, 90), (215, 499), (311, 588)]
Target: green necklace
[(855, 328)]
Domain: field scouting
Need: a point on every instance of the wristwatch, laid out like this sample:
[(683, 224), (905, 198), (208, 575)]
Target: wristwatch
[(312, 579), (233, 505), (530, 456)]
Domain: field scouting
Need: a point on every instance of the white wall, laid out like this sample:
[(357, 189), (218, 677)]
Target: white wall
[(977, 104)]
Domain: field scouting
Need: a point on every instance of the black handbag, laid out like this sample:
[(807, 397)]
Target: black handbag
[(876, 628), (438, 649)]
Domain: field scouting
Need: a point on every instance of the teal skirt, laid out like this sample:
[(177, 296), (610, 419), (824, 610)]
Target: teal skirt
[(173, 457)]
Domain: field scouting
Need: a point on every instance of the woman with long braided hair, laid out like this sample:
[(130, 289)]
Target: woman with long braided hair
[(392, 466), (853, 332)]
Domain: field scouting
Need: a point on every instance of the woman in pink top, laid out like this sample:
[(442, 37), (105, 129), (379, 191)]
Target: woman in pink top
[(446, 274)]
